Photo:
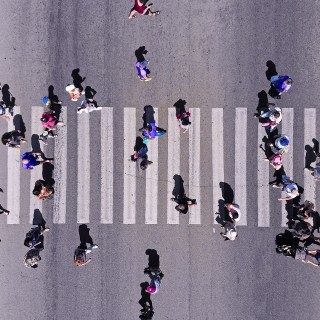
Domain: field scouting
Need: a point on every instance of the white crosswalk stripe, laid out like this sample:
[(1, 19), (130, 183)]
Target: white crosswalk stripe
[(107, 165), (309, 134), (151, 213), (287, 129), (241, 163), (151, 175), (60, 171), (35, 174), (173, 163), (13, 178), (129, 193)]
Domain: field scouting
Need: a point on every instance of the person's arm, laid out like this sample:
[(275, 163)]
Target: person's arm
[(286, 198), (147, 7)]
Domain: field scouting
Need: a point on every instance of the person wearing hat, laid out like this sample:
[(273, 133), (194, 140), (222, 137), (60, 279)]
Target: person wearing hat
[(280, 145), (31, 159), (290, 187)]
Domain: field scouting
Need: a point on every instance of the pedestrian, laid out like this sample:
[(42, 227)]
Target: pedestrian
[(280, 145), (312, 257), (31, 159), (230, 231), (80, 255), (141, 7), (290, 187), (32, 258), (13, 139), (74, 92), (233, 212), (49, 122), (315, 172), (34, 237), (51, 104), (306, 212), (183, 120), (275, 161), (279, 85), (43, 191), (88, 105), (152, 131), (156, 276), (3, 114), (183, 203), (270, 119), (143, 71)]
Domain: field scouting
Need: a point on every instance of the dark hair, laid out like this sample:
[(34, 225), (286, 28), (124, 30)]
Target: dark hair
[(277, 114), (6, 137), (289, 81), (44, 119), (235, 215), (149, 127), (36, 191)]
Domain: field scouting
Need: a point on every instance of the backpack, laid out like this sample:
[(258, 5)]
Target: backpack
[(31, 258), (33, 235)]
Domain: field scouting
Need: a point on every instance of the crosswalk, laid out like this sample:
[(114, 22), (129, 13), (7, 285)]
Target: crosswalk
[(151, 213)]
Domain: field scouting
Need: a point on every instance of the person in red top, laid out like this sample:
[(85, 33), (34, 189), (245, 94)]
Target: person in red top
[(141, 7), (49, 121)]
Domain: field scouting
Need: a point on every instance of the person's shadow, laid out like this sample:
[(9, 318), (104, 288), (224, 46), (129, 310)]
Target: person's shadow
[(89, 92), (55, 105), (8, 98), (38, 219), (154, 259), (271, 71), (310, 156), (227, 195), (139, 53), (19, 124), (47, 173), (77, 79), (145, 302), (263, 103), (148, 116), (178, 190), (180, 106), (84, 236), (264, 146), (35, 144)]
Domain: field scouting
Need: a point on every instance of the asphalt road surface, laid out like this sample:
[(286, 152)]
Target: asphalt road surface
[(213, 55)]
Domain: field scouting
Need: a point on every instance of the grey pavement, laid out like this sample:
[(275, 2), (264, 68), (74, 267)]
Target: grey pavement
[(210, 53)]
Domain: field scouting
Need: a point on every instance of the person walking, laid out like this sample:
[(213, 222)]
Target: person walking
[(13, 139), (80, 255), (230, 231), (43, 191), (275, 161), (143, 71), (141, 7), (156, 276), (280, 145), (279, 85), (49, 122), (290, 188), (183, 120), (74, 92), (34, 238), (270, 119), (32, 258), (31, 159), (233, 212), (183, 203), (3, 114), (152, 131)]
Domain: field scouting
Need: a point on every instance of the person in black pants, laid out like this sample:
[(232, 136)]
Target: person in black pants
[(183, 203)]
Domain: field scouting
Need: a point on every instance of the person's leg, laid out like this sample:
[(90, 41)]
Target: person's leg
[(132, 13)]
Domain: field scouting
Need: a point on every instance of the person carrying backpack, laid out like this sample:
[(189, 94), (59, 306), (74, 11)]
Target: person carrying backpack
[(183, 120), (280, 145), (279, 85), (34, 237), (13, 139)]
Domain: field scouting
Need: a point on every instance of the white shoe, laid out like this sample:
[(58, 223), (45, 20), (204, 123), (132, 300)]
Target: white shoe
[(95, 246)]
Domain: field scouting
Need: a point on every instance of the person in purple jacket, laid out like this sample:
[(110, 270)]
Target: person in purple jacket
[(279, 85), (152, 131)]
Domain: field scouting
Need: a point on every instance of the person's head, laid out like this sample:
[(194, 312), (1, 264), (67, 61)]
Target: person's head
[(25, 161), (78, 261), (309, 205), (28, 242), (277, 159), (149, 127), (181, 206), (70, 87), (151, 289), (235, 215), (276, 114), (144, 165), (289, 81), (43, 119)]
